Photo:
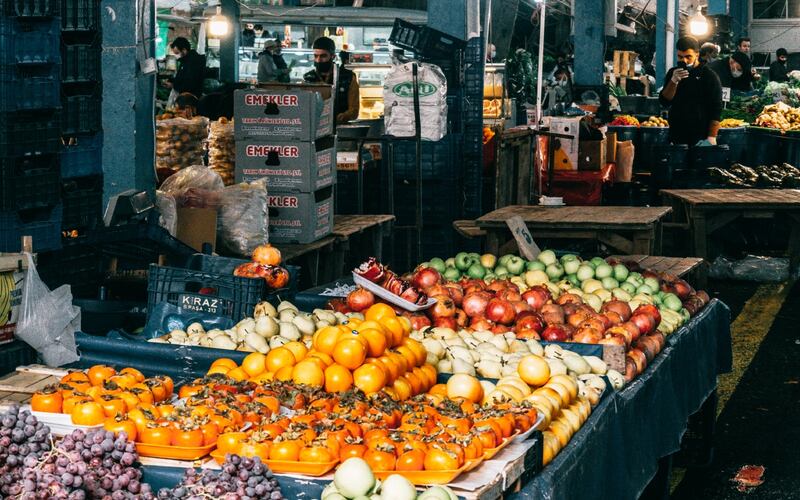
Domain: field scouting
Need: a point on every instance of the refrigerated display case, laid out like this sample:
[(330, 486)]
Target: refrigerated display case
[(495, 99), (370, 83)]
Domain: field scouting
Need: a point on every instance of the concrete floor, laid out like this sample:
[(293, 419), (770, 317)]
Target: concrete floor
[(758, 414)]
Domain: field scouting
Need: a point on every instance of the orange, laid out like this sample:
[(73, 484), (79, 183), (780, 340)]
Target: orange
[(440, 389), (263, 378), (379, 311), (218, 369), (403, 388), (254, 364), (231, 364), (280, 358), (376, 342), (350, 353), (299, 349), (325, 339), (284, 374), (237, 374), (338, 378), (369, 378), (326, 358), (396, 328), (308, 373)]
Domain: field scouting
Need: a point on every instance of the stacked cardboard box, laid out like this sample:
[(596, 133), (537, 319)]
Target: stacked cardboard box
[(285, 133)]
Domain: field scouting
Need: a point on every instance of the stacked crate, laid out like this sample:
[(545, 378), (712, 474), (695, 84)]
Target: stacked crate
[(30, 199), (81, 100)]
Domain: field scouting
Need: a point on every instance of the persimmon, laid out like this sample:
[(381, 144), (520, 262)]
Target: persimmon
[(325, 339), (376, 341), (379, 460), (379, 311), (350, 450), (280, 358), (437, 459), (187, 438), (112, 405), (155, 434), (230, 442), (288, 450), (411, 460), (316, 453), (225, 362), (267, 255), (136, 374), (100, 373), (298, 349), (119, 424), (87, 413), (395, 327), (350, 353), (308, 373), (47, 400), (254, 364), (369, 378)]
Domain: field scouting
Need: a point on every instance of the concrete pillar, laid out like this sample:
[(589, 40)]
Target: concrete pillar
[(667, 33), (740, 18), (454, 18), (229, 46), (589, 21), (128, 96)]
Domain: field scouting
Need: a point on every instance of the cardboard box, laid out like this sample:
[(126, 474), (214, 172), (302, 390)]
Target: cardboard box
[(300, 217), (346, 160), (288, 166), (197, 226), (566, 156), (300, 112), (591, 155), (611, 147)]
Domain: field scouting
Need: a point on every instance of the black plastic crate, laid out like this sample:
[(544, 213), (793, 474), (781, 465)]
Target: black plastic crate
[(438, 159), (43, 225), (441, 201), (218, 294), (24, 41), (31, 8), (424, 41), (81, 63), (82, 156), (80, 15), (76, 264), (453, 72), (473, 53), (346, 196), (29, 87), (29, 182), (81, 114), (136, 246), (473, 82), (16, 353), (30, 132), (83, 202)]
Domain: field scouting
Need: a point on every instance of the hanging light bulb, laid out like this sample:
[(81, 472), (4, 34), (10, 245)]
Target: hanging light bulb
[(218, 24), (698, 24)]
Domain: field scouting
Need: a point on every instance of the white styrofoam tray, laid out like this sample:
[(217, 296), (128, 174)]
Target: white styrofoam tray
[(389, 296)]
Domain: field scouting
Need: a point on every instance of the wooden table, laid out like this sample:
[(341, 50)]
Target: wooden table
[(704, 211), (692, 268), (630, 230)]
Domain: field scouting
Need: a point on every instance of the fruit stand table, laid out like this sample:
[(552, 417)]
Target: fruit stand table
[(631, 230), (704, 211), (695, 268)]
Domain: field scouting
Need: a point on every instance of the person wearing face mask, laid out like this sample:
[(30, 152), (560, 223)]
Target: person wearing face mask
[(709, 52), (268, 70), (346, 100), (733, 71), (693, 95), (778, 69), (191, 69)]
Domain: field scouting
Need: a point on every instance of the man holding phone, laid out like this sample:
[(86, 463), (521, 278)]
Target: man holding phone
[(693, 95)]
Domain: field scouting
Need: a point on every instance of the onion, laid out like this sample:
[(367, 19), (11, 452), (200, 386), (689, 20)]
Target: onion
[(360, 299), (354, 478), (396, 487)]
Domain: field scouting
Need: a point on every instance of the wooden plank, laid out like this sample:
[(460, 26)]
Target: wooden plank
[(291, 251), (468, 229), (345, 226), (765, 198), (594, 217)]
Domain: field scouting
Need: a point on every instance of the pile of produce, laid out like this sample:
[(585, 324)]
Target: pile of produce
[(780, 116), (240, 477), (180, 143), (354, 479), (775, 176), (222, 150), (732, 123), (266, 264), (655, 121), (82, 465), (625, 121)]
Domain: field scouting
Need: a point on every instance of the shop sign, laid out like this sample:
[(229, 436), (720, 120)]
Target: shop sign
[(201, 303), (406, 89)]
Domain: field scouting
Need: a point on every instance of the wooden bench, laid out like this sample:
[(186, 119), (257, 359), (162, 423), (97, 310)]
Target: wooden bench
[(468, 229)]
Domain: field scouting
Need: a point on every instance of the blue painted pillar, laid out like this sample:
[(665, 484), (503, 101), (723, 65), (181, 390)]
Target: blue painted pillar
[(740, 18), (717, 7), (229, 46), (589, 19), (128, 96), (667, 33)]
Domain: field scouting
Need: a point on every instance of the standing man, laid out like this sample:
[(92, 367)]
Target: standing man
[(693, 95), (191, 69), (778, 69), (733, 72), (346, 100), (743, 46)]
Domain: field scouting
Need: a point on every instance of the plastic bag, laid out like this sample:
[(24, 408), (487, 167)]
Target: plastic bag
[(243, 218), (169, 212), (48, 320), (194, 187), (751, 268), (180, 142), (222, 150)]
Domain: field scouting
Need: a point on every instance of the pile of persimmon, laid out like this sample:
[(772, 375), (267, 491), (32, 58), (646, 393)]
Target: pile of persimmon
[(371, 355), (99, 393)]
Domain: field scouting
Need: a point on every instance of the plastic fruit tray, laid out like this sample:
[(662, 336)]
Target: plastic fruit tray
[(429, 477), (389, 296), (174, 452), (290, 466)]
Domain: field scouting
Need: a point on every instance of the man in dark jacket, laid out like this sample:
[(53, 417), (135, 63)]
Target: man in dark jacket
[(694, 97), (346, 102), (191, 69), (778, 69), (733, 71)]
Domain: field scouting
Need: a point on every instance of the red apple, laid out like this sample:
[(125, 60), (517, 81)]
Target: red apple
[(446, 323), (500, 311), (555, 333), (426, 277), (474, 303), (619, 307), (443, 308), (644, 322)]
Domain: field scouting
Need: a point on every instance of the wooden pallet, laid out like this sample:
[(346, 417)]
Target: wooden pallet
[(624, 63), (18, 387)]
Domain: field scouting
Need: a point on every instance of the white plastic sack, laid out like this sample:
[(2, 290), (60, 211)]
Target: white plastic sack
[(48, 320), (398, 100)]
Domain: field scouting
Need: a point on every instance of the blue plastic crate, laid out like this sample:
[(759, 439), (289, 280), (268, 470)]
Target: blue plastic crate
[(16, 353), (441, 201), (24, 41), (473, 53), (43, 225), (31, 8), (81, 114), (81, 63), (82, 156), (82, 198), (29, 87), (438, 159), (30, 133), (80, 15), (29, 182)]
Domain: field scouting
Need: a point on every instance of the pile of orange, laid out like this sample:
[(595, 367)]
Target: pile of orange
[(371, 355)]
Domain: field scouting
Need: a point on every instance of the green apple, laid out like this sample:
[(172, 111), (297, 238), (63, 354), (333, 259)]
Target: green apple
[(437, 264), (568, 258), (628, 287), (490, 277), (656, 300), (451, 274), (603, 271), (451, 262), (475, 256), (504, 259), (463, 261), (424, 264), (488, 261), (645, 289), (571, 266), (610, 283), (585, 272), (498, 270), (598, 260), (635, 276), (535, 265), (653, 283), (515, 265), (476, 271), (536, 277), (547, 257), (573, 279), (554, 271), (621, 294), (620, 272)]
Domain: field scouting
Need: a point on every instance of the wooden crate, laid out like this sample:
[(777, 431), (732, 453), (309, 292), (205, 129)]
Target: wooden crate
[(624, 63), (17, 387)]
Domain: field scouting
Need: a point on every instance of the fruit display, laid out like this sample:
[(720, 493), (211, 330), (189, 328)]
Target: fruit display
[(732, 123), (655, 121), (624, 121), (180, 143), (222, 150), (265, 264), (269, 328), (240, 478), (762, 176), (780, 116), (354, 479), (375, 272), (82, 465)]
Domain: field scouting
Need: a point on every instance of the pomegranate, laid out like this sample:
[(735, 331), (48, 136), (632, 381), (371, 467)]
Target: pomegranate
[(462, 320), (520, 306), (612, 339), (500, 329), (497, 286), (500, 311), (569, 298), (613, 318), (587, 335), (577, 318), (552, 313), (632, 329), (650, 310), (529, 320), (418, 320), (526, 334), (456, 293), (426, 277), (619, 307), (630, 370), (644, 322), (638, 358), (470, 286), (510, 295), (474, 304), (537, 297), (622, 332), (437, 289), (360, 299), (481, 324), (555, 333), (446, 323), (443, 308)]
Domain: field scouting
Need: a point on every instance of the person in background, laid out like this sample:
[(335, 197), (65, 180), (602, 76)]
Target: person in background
[(346, 101), (248, 36), (733, 71), (267, 69), (191, 69), (186, 106), (693, 95), (778, 69), (259, 32), (280, 63), (743, 46), (709, 52)]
